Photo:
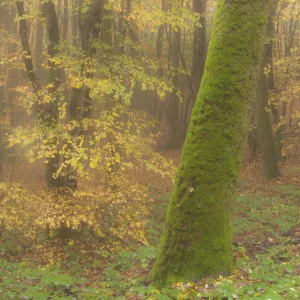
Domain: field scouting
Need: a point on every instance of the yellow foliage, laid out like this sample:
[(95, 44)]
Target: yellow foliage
[(118, 217), (18, 207)]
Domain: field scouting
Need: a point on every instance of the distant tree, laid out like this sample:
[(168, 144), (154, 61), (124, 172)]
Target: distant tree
[(198, 62), (199, 47), (264, 126), (197, 238), (172, 101), (48, 112), (266, 138), (286, 69), (8, 76)]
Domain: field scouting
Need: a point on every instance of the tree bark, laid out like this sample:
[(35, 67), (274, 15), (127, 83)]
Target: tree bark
[(39, 51), (50, 114), (199, 51), (198, 62), (266, 139), (264, 126), (74, 21), (65, 23), (89, 30), (172, 113), (197, 238), (158, 107), (25, 45)]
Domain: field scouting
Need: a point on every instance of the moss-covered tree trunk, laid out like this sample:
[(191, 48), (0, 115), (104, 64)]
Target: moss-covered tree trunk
[(197, 238)]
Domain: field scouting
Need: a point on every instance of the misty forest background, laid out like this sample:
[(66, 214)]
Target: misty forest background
[(95, 102)]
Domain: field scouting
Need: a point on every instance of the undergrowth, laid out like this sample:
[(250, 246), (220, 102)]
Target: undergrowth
[(266, 245)]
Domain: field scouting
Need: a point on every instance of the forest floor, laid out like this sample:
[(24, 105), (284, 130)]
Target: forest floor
[(266, 244)]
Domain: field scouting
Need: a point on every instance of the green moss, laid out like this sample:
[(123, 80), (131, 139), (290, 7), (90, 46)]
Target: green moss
[(197, 239)]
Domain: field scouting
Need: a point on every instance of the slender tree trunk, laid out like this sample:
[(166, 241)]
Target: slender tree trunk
[(89, 30), (65, 23), (50, 114), (25, 45), (153, 104), (264, 126), (27, 53), (39, 51), (279, 132), (200, 47), (266, 139), (89, 25), (197, 238), (199, 57), (9, 77), (158, 105), (74, 22), (172, 113), (253, 134)]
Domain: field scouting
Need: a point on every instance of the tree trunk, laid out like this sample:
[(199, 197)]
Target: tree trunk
[(266, 139), (26, 49), (264, 126), (197, 239), (199, 51), (74, 22), (89, 30), (198, 62), (39, 51), (172, 113), (65, 23), (253, 134), (50, 114), (158, 107), (10, 77), (151, 102)]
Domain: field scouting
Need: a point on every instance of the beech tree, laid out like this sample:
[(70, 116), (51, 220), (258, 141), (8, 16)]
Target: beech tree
[(48, 113), (264, 125), (197, 238)]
